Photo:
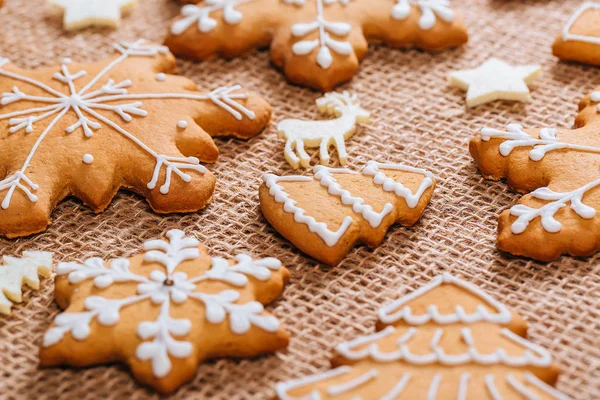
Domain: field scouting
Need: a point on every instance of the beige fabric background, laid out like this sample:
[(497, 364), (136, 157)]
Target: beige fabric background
[(417, 119)]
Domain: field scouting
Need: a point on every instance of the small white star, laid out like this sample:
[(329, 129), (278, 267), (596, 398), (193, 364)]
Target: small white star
[(495, 80), (83, 13)]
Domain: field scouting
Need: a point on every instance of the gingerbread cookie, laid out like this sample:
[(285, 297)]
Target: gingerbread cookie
[(318, 43), (580, 37), (495, 80), (560, 215), (84, 13), (17, 272), (447, 340), (86, 130), (301, 134), (165, 311), (328, 214)]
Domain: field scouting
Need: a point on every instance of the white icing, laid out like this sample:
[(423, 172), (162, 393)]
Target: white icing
[(352, 384), (430, 10), (515, 137), (182, 124), (325, 43), (519, 387), (491, 387), (544, 387), (201, 15), (84, 13), (164, 286), (330, 238), (399, 310), (566, 33), (322, 134), (284, 388), (463, 386), (326, 179), (161, 77), (16, 272), (434, 387), (87, 159), (86, 104), (398, 388)]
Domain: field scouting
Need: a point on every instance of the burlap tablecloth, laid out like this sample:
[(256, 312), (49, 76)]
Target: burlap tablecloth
[(417, 119)]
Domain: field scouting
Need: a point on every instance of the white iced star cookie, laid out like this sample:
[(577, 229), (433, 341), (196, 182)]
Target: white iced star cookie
[(84, 13), (495, 80)]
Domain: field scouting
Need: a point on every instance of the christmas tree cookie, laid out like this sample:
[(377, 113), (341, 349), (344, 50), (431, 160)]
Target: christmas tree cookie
[(446, 340)]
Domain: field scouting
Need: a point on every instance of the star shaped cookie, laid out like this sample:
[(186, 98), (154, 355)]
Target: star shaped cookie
[(80, 14)]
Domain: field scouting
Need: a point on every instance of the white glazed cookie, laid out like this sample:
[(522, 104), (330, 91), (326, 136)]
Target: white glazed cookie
[(326, 215), (84, 13), (301, 134), (318, 43), (165, 311), (448, 340), (17, 272), (495, 80)]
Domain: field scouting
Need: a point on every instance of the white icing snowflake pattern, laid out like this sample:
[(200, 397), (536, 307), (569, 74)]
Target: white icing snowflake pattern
[(88, 106), (165, 287)]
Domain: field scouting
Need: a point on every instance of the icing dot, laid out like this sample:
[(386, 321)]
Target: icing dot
[(88, 159), (161, 77), (66, 60), (182, 124)]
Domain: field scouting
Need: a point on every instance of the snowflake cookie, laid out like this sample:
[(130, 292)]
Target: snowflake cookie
[(317, 43), (580, 38), (165, 311), (301, 134), (447, 340), (559, 168), (326, 215), (86, 130), (84, 13), (17, 272)]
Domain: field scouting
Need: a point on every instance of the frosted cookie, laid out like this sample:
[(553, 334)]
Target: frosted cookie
[(301, 134), (79, 14), (86, 130), (328, 214), (560, 215), (17, 272), (580, 37), (447, 340), (317, 43), (495, 80), (164, 311)]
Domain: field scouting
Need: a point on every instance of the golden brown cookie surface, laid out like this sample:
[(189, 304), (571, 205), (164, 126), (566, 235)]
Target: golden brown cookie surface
[(328, 214), (87, 130), (560, 169), (165, 311), (580, 37), (446, 340), (318, 43)]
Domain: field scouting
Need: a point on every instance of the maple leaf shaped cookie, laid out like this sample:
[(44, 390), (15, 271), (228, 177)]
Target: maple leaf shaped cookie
[(447, 340), (88, 130), (328, 214), (559, 168), (165, 311), (17, 272), (318, 43)]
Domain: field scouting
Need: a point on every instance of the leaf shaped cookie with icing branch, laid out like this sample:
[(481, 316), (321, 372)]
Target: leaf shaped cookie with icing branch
[(559, 169), (318, 43), (328, 214), (301, 134), (87, 130), (17, 272), (447, 340), (164, 311)]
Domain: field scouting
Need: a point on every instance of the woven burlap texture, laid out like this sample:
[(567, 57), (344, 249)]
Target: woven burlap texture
[(417, 119)]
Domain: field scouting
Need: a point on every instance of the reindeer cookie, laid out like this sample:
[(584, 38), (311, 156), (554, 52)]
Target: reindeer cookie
[(580, 38), (448, 340), (86, 130), (560, 169), (318, 43), (165, 311), (300, 134), (326, 215)]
